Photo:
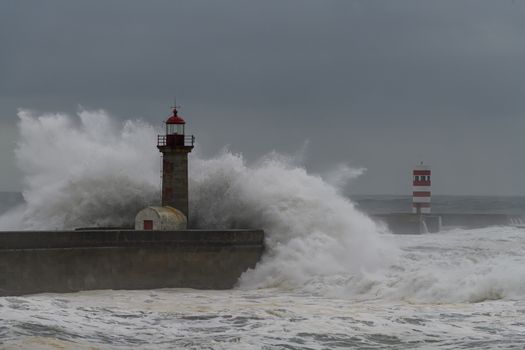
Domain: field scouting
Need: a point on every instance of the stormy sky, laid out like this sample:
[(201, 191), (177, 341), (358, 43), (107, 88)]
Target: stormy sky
[(374, 84)]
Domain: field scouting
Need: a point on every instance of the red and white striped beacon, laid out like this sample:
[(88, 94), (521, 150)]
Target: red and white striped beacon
[(421, 189)]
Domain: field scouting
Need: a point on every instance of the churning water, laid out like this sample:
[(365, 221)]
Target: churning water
[(331, 278)]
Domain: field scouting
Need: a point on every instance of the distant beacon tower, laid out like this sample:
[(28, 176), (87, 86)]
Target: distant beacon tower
[(175, 146), (421, 189)]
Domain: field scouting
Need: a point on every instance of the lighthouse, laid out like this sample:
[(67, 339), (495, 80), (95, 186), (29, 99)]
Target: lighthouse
[(421, 189), (175, 146), (173, 212)]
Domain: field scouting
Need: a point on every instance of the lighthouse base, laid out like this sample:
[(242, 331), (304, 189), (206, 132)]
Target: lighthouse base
[(68, 261)]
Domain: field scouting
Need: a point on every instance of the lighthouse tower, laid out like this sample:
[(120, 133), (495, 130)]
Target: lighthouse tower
[(175, 146), (421, 189)]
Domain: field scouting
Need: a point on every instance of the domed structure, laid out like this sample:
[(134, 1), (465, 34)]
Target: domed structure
[(161, 219)]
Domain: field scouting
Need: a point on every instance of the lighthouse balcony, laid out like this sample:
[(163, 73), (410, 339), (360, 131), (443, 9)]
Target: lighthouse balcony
[(175, 140)]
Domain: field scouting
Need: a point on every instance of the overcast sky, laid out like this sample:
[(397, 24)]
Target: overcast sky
[(375, 84)]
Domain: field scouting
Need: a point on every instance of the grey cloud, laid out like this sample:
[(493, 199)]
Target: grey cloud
[(379, 84)]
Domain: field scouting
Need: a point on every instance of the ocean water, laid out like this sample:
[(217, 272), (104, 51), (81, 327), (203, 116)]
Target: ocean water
[(460, 289), (331, 278)]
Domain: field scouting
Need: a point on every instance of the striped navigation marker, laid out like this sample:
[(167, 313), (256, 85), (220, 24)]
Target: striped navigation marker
[(421, 189)]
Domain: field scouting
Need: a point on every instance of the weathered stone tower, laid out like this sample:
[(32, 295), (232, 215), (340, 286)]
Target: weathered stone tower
[(175, 146)]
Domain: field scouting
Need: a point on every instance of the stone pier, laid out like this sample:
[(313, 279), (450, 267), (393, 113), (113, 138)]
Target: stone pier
[(68, 261)]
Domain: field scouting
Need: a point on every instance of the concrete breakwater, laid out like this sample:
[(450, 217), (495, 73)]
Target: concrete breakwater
[(401, 223), (68, 261)]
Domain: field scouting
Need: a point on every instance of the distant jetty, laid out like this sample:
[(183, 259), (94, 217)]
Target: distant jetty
[(401, 223), (422, 220)]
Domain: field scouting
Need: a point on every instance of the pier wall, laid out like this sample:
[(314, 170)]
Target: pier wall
[(401, 223), (68, 261)]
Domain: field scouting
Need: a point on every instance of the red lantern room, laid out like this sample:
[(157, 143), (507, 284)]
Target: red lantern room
[(175, 130), (175, 124)]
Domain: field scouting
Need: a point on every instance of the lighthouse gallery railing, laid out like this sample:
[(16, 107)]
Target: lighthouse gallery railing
[(189, 140)]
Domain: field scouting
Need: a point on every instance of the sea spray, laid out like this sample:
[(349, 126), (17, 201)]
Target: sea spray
[(316, 239), (88, 171), (93, 171), (457, 266)]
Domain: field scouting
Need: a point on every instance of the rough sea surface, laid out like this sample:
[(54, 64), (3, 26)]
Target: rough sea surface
[(331, 278), (458, 289)]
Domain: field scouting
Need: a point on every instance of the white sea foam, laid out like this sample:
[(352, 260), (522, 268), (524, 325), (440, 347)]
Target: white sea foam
[(89, 170), (253, 319), (315, 236), (85, 171), (432, 291), (457, 266)]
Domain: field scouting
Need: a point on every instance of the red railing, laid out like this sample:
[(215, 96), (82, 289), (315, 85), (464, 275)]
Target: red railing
[(175, 140)]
